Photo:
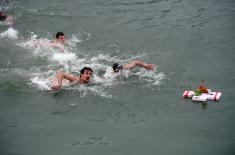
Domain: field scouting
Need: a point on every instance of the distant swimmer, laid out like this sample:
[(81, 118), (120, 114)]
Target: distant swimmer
[(84, 78), (132, 64), (59, 41), (9, 19)]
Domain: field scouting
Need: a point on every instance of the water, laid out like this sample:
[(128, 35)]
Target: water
[(140, 112)]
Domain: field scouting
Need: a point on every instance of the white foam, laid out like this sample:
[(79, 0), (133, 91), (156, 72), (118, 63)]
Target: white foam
[(103, 75), (110, 75), (151, 77), (41, 83), (73, 41), (107, 58), (37, 46), (64, 57), (102, 81), (10, 33)]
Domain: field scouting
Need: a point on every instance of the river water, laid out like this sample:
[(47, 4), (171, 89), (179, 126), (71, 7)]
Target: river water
[(141, 112)]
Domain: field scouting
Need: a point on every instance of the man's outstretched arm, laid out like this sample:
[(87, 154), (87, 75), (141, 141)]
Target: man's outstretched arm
[(133, 64), (60, 75)]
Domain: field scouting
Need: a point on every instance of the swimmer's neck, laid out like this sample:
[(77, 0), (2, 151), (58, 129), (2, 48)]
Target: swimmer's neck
[(82, 81)]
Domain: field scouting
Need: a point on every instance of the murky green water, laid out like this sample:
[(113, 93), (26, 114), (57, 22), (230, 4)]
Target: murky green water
[(187, 40)]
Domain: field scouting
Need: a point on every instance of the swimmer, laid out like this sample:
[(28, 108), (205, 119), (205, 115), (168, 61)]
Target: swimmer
[(9, 19), (132, 64), (84, 78), (59, 42)]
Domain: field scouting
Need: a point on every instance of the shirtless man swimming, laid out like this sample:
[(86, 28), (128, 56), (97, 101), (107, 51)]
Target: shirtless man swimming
[(132, 64), (9, 19), (59, 41), (85, 75), (113, 71)]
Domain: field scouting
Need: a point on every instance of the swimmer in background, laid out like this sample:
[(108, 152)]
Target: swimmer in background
[(132, 64), (59, 42), (84, 78), (9, 19)]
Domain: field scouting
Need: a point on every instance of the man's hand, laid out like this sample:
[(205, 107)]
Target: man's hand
[(56, 87), (149, 66)]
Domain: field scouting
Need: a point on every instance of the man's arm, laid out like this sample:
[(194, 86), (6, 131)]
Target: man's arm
[(60, 75), (10, 20), (133, 64), (56, 45)]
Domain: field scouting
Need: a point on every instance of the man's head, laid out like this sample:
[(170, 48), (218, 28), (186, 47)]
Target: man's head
[(2, 16), (60, 37), (117, 67), (85, 74)]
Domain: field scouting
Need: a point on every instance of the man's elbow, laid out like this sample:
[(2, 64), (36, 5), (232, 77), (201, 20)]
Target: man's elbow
[(138, 63), (60, 72)]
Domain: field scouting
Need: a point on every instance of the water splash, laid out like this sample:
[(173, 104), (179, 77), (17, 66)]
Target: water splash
[(40, 47), (103, 77), (151, 77), (41, 83), (63, 57), (69, 61), (10, 33)]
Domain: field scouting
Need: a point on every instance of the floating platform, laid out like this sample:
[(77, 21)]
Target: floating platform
[(215, 96)]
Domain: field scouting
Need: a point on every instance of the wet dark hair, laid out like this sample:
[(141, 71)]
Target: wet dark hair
[(117, 67), (85, 68), (2, 16), (59, 34)]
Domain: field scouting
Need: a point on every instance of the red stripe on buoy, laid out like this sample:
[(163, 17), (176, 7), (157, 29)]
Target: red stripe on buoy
[(186, 93)]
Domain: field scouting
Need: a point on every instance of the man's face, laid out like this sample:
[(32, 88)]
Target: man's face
[(61, 39), (85, 77)]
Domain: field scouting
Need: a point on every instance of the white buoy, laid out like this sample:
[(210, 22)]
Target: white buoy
[(215, 96)]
